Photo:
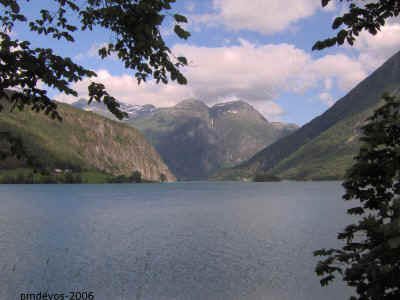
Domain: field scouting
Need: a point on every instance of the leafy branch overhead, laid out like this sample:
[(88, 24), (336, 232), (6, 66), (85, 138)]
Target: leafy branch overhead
[(138, 43), (369, 16)]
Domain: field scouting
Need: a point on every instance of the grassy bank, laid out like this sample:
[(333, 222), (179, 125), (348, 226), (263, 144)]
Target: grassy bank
[(29, 176)]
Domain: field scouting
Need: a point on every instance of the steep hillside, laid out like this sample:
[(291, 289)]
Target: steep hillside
[(329, 155), (196, 140), (84, 140), (324, 147)]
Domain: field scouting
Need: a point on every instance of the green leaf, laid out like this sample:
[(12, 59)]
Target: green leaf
[(318, 46), (14, 6), (330, 42), (181, 79), (180, 19), (181, 33), (182, 60), (394, 243), (325, 2), (341, 37), (337, 23), (21, 18), (350, 40)]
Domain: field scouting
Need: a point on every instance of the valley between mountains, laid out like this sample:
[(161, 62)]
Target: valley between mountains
[(191, 141), (195, 140)]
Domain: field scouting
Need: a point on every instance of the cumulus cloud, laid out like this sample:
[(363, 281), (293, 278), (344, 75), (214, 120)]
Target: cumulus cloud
[(328, 83), (259, 15), (258, 74), (270, 109), (246, 71), (126, 89), (327, 98), (347, 71), (376, 49)]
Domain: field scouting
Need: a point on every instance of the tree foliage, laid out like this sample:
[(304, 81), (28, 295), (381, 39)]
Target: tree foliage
[(362, 15), (136, 177), (370, 257), (138, 43), (163, 178), (12, 146)]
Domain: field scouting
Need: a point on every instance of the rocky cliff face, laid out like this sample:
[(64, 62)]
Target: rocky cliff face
[(117, 148), (86, 140)]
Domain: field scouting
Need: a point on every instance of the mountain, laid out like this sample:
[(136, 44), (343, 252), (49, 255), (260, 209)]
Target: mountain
[(324, 148), (84, 140), (196, 140), (133, 111)]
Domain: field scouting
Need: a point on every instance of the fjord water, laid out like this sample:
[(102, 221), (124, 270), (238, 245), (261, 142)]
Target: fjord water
[(204, 240)]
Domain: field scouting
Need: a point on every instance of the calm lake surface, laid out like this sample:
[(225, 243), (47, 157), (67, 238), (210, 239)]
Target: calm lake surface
[(201, 240)]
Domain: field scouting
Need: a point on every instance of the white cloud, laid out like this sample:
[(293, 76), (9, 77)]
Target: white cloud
[(258, 74), (247, 71), (326, 98), (259, 15), (376, 49), (270, 109), (328, 83), (347, 71), (126, 89)]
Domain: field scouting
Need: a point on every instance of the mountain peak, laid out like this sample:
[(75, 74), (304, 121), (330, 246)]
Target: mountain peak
[(231, 104), (238, 108), (190, 103)]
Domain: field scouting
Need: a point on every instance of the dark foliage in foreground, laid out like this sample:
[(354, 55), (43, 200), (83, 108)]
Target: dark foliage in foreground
[(138, 43), (370, 257)]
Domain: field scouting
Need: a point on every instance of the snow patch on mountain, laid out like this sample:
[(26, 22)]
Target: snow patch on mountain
[(133, 110)]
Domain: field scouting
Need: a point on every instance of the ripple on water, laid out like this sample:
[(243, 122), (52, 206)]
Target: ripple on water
[(177, 241)]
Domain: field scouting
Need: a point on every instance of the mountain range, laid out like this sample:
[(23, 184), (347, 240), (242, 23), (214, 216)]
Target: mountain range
[(196, 140), (133, 110), (324, 148), (229, 140)]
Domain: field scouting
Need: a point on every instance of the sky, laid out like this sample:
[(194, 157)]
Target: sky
[(257, 51)]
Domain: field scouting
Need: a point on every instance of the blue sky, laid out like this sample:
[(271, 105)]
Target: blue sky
[(258, 51)]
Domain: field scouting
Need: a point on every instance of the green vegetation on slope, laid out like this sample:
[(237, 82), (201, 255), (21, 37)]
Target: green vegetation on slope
[(45, 139), (329, 155), (31, 176), (84, 141)]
